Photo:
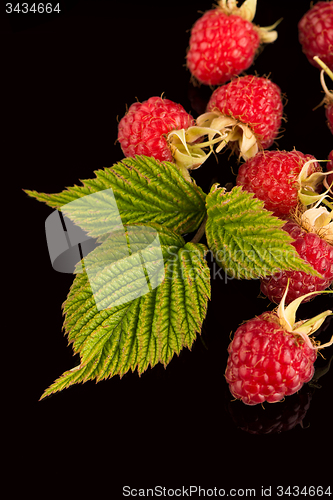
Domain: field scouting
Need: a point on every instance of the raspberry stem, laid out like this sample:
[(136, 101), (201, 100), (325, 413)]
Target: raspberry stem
[(328, 94), (201, 231), (324, 66)]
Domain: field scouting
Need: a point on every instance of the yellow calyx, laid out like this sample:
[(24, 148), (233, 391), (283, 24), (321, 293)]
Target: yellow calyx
[(188, 146), (231, 130), (304, 328), (247, 11), (319, 220), (308, 183)]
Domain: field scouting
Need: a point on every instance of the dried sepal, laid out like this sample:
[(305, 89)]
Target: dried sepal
[(232, 131), (308, 184), (247, 11), (188, 146), (319, 220), (304, 328)]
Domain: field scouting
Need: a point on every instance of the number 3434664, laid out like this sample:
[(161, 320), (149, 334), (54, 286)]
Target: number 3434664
[(307, 491), (35, 8)]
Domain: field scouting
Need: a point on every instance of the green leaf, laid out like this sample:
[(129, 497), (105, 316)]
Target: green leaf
[(246, 240), (143, 331), (144, 190)]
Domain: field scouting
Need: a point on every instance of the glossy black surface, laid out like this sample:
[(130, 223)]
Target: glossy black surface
[(67, 80)]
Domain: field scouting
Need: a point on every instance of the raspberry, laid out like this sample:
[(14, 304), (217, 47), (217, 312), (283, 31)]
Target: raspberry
[(143, 130), (224, 42), (255, 101), (267, 362), (274, 177), (248, 111), (315, 33), (313, 249), (221, 47)]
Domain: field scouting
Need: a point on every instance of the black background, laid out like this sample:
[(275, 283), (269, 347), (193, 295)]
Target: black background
[(67, 78)]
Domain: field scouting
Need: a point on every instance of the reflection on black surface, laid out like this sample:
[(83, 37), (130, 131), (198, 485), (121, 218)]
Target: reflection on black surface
[(272, 418)]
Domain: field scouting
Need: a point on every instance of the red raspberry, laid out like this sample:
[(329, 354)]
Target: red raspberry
[(143, 130), (223, 43), (273, 177), (266, 362), (313, 249), (254, 101), (315, 32), (221, 47)]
